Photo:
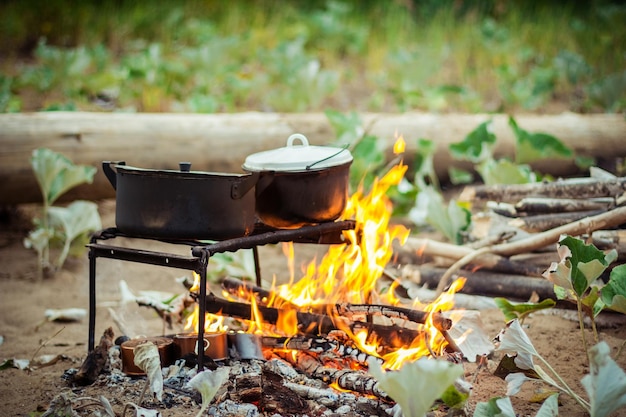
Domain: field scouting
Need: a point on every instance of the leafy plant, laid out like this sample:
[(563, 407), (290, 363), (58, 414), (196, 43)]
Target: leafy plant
[(575, 278), (55, 175), (477, 147), (502, 407)]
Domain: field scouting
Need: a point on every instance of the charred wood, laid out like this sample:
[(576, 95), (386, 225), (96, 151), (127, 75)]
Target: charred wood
[(310, 323), (320, 345), (357, 381), (96, 360)]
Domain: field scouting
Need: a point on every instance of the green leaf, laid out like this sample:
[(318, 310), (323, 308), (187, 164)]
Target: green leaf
[(587, 263), (495, 407), (606, 382), (348, 127), (56, 174), (504, 171), (428, 377), (460, 176), (536, 146), (613, 294), (477, 145), (454, 398), (521, 310)]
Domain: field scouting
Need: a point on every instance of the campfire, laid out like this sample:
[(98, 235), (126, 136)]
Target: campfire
[(341, 315)]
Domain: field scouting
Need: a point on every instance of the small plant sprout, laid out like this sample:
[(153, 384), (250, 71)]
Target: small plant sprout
[(575, 278)]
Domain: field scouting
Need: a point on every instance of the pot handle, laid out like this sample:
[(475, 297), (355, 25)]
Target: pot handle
[(243, 185), (111, 174), (303, 139)]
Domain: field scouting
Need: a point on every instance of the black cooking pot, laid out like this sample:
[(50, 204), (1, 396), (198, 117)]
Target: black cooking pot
[(300, 184), (182, 204)]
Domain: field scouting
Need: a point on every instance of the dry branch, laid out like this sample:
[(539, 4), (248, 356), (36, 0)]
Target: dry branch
[(543, 222), (540, 205)]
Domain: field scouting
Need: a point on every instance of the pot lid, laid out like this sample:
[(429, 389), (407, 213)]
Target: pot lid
[(294, 158)]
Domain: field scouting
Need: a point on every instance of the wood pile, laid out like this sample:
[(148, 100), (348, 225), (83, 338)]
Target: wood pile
[(514, 239)]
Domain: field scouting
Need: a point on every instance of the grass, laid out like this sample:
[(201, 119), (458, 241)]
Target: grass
[(201, 56)]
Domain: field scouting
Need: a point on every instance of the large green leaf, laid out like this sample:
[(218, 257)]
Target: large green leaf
[(56, 174), (495, 407), (477, 145), (614, 292), (536, 146)]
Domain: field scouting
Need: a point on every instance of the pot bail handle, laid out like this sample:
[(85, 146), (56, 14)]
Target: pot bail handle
[(345, 147), (303, 139), (107, 167)]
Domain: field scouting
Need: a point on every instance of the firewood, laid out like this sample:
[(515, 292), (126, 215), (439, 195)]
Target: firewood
[(357, 381), (538, 205), (483, 282), (490, 261), (320, 345), (543, 222), (606, 220), (96, 360), (310, 323), (568, 188)]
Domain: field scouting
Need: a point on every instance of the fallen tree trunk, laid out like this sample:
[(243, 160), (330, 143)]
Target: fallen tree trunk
[(221, 142)]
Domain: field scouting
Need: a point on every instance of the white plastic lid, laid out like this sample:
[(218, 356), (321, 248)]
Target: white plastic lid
[(294, 158)]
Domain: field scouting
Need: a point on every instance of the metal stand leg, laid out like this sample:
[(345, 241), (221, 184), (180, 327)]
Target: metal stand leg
[(92, 301), (257, 265), (202, 272)]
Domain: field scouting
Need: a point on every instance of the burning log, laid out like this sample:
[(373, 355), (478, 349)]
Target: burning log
[(319, 345), (357, 381), (96, 360), (309, 323), (348, 310)]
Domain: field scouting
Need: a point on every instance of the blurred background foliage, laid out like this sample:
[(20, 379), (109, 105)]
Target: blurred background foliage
[(293, 56)]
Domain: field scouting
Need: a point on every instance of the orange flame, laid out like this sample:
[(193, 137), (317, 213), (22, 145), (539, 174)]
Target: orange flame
[(349, 273)]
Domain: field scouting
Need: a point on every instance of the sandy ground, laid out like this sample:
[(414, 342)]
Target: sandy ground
[(26, 335)]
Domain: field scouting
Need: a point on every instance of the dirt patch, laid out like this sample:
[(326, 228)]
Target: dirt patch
[(23, 302)]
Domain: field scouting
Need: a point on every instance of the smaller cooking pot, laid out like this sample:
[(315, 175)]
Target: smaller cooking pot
[(300, 184), (182, 204)]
